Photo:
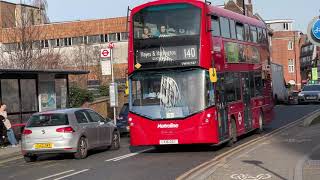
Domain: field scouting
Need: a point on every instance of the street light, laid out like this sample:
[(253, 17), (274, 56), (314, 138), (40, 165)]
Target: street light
[(295, 56)]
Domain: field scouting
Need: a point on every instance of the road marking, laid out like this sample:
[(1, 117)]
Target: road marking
[(209, 165), (78, 172), (128, 155), (247, 176), (10, 159), (54, 175)]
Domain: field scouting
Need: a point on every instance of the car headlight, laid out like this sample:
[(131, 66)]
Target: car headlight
[(300, 94)]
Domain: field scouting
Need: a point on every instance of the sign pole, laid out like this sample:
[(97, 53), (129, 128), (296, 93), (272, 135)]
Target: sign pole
[(112, 79)]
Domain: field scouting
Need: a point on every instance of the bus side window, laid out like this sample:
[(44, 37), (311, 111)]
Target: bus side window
[(215, 26), (247, 33), (225, 27), (240, 31)]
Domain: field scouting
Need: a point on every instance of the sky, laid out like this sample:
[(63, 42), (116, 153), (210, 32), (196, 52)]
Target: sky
[(302, 11)]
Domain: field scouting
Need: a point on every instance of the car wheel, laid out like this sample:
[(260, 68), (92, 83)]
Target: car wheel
[(30, 158), (115, 141), (232, 133), (82, 150)]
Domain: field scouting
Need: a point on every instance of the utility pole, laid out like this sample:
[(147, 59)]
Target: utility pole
[(111, 46)]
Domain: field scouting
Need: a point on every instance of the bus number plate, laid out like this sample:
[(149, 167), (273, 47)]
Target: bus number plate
[(169, 141)]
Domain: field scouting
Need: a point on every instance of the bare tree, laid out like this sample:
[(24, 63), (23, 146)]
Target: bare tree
[(27, 47)]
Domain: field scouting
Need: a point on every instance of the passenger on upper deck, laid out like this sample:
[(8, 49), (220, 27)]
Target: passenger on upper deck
[(163, 31), (146, 33)]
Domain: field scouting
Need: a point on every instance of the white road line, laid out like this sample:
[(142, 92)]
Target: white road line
[(54, 175), (78, 172), (11, 159), (128, 155)]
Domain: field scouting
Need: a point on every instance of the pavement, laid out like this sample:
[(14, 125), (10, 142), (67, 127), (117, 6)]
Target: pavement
[(9, 152), (139, 163), (292, 154)]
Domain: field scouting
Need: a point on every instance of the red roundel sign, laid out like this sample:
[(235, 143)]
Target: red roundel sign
[(105, 53)]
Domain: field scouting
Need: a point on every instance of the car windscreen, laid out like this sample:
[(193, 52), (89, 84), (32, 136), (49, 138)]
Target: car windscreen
[(311, 88), (42, 120), (124, 110)]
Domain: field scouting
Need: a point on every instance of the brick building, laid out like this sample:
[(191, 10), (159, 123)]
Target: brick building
[(309, 58), (70, 45), (285, 49)]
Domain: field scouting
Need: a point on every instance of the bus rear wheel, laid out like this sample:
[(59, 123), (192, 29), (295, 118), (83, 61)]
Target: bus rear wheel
[(232, 133)]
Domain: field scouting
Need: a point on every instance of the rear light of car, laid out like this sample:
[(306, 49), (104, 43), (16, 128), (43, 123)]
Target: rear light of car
[(26, 132), (65, 130)]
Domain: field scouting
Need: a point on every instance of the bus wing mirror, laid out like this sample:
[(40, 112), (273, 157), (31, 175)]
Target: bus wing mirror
[(213, 75)]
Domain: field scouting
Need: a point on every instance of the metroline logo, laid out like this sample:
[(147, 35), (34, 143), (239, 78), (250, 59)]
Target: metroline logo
[(171, 125)]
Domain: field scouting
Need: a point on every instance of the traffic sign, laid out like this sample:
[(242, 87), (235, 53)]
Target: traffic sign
[(105, 53), (111, 45), (316, 29)]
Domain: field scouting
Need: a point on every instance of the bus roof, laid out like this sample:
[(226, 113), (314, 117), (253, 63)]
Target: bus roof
[(215, 10)]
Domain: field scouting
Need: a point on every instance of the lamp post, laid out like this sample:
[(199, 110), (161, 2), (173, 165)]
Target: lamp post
[(295, 57)]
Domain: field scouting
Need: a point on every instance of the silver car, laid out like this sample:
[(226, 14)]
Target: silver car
[(68, 131), (309, 93)]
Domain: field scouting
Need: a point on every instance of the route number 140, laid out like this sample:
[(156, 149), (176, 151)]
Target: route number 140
[(190, 53)]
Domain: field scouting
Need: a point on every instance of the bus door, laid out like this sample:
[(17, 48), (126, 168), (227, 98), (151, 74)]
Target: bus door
[(222, 108), (246, 100)]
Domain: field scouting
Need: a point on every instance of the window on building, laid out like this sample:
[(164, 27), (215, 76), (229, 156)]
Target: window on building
[(67, 41), (44, 43), (290, 45), (77, 40), (225, 27), (291, 66), (124, 36), (233, 29), (215, 26), (10, 47), (285, 26), (52, 42), (36, 45), (94, 39), (58, 42), (85, 39), (104, 38), (113, 37), (254, 34), (240, 31)]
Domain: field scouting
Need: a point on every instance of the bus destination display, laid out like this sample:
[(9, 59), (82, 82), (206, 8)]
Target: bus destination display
[(186, 55)]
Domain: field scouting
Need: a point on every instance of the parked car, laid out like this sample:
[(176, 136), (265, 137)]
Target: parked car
[(74, 131), (309, 93), (293, 97), (122, 120)]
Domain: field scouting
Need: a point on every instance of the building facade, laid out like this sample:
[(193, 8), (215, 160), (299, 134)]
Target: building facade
[(71, 45), (309, 58), (285, 50)]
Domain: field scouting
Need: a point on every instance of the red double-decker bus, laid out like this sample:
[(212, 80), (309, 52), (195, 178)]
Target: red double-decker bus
[(198, 74)]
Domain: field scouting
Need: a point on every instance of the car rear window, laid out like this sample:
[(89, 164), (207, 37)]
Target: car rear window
[(42, 120)]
